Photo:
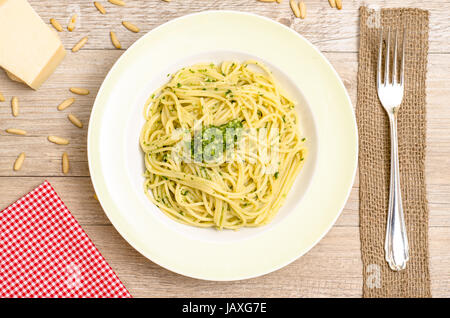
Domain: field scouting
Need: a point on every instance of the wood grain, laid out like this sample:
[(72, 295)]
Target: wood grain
[(328, 28), (333, 267)]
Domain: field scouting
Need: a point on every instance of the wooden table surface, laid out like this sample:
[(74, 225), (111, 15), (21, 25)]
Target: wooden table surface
[(333, 267)]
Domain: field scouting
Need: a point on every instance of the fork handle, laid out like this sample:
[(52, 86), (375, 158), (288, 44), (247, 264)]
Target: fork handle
[(396, 244)]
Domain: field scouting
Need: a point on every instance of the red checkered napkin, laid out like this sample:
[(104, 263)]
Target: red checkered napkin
[(45, 253)]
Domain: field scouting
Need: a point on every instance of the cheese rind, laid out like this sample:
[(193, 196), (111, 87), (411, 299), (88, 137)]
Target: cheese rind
[(29, 49)]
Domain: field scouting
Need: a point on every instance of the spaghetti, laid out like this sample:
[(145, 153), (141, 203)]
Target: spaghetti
[(222, 146)]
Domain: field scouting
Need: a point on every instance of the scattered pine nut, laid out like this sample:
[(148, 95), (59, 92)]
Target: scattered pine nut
[(99, 7), (130, 26), (2, 98), (19, 161), (16, 131), (332, 3), (279, 1), (79, 91), (302, 8), (72, 22), (58, 140), (80, 44), (295, 9), (56, 25), (65, 163), (339, 4), (117, 2), (167, 0), (15, 106), (66, 103), (114, 40), (95, 196), (74, 120)]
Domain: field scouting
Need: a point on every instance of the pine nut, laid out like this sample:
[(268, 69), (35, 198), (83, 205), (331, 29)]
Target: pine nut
[(302, 8), (15, 131), (117, 2), (99, 7), (2, 98), (130, 26), (72, 22), (339, 4), (332, 3), (65, 104), (74, 120), (279, 1), (79, 91), (56, 25), (80, 44), (19, 162), (65, 163), (95, 197), (58, 140), (115, 41), (295, 9), (15, 106)]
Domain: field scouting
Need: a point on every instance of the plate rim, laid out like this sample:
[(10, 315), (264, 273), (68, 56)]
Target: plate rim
[(118, 227)]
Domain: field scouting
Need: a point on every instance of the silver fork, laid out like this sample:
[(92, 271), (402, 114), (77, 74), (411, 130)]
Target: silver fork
[(390, 94)]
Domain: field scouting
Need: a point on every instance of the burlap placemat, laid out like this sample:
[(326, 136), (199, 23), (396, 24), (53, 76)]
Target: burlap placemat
[(374, 156)]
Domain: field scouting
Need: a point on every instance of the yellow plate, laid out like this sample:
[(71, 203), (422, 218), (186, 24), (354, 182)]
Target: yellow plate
[(327, 120)]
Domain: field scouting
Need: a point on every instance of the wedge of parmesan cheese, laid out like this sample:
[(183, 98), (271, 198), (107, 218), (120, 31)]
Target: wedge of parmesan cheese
[(30, 51)]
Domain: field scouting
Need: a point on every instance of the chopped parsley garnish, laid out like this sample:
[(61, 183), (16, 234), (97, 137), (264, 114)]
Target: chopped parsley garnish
[(206, 145)]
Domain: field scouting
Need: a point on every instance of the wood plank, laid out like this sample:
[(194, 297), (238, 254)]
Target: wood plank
[(76, 192), (332, 268), (329, 29), (88, 211), (439, 240), (40, 117)]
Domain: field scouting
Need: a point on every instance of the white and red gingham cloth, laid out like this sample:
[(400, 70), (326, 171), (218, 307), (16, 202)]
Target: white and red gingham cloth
[(45, 253)]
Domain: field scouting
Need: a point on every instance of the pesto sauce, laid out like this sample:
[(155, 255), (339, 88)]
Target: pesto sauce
[(230, 132)]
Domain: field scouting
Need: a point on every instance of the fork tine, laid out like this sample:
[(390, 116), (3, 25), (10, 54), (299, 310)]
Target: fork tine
[(402, 65), (394, 63), (380, 59), (387, 62)]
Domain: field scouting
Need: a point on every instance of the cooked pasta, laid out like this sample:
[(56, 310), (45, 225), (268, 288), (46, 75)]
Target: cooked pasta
[(222, 145)]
